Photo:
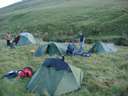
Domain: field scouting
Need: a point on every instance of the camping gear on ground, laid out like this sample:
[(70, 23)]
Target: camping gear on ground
[(55, 77), (25, 72), (100, 47), (11, 74), (25, 38), (51, 48), (72, 50), (81, 53)]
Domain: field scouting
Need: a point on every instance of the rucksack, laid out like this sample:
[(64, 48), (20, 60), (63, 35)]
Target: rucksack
[(25, 72)]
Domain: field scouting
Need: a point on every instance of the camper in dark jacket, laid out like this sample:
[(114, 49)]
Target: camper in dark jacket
[(82, 40)]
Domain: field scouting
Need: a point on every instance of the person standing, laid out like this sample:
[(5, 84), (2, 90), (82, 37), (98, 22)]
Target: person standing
[(8, 38), (82, 40), (16, 39)]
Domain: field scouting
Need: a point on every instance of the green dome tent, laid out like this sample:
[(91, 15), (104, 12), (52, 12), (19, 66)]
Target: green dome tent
[(55, 77), (51, 48), (100, 47), (26, 38)]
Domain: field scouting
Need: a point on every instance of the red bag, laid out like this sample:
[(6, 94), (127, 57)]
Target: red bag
[(26, 72)]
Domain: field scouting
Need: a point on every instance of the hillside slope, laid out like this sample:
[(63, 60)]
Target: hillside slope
[(61, 18)]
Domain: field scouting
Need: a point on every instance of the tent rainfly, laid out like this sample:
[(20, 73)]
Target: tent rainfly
[(100, 47), (51, 48), (26, 38), (55, 77)]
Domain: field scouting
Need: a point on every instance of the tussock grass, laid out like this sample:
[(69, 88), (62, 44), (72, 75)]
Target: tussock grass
[(61, 18), (104, 74)]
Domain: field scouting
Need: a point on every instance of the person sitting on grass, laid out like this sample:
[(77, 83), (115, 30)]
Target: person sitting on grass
[(71, 47)]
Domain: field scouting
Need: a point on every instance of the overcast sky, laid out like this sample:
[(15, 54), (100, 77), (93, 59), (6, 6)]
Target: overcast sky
[(4, 3)]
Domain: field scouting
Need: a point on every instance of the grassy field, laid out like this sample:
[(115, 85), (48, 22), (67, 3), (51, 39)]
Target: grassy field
[(52, 19), (104, 74), (61, 20)]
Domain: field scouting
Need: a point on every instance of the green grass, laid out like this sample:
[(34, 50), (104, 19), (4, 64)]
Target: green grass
[(104, 74), (61, 18)]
